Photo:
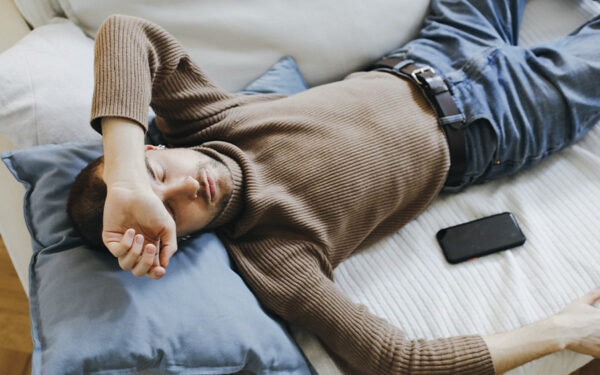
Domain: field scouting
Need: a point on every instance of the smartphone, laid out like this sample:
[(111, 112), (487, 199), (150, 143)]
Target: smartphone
[(480, 237)]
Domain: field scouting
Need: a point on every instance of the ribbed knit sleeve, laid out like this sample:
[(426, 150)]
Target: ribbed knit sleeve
[(290, 281), (138, 64)]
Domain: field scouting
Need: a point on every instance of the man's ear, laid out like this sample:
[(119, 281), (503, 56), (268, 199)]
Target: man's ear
[(150, 148)]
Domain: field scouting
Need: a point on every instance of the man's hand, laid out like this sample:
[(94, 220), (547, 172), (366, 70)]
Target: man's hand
[(578, 325), (135, 220), (136, 224)]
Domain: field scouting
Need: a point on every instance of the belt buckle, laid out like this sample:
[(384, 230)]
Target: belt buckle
[(421, 70)]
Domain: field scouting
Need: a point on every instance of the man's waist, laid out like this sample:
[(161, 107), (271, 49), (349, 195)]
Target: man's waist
[(437, 92)]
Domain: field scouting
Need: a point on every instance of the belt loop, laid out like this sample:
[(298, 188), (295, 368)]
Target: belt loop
[(398, 67), (453, 120)]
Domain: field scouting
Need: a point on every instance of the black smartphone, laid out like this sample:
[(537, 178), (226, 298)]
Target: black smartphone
[(480, 237)]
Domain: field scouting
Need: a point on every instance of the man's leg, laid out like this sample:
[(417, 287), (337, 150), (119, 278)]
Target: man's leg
[(457, 40), (538, 100), (456, 31), (488, 21), (572, 64), (520, 105)]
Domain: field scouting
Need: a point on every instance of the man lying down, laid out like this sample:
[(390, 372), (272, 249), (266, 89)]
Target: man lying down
[(293, 185)]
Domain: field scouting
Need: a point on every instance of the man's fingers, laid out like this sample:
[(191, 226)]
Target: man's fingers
[(145, 262), (165, 255), (118, 244), (169, 246), (156, 261), (156, 272), (129, 260), (591, 297)]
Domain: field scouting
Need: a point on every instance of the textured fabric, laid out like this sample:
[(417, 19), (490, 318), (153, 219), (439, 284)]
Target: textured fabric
[(207, 321), (43, 76), (316, 175), (521, 104)]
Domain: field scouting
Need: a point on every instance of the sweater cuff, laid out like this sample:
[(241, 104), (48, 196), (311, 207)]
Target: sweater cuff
[(96, 120)]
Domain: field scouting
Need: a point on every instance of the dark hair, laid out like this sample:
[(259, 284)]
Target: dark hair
[(85, 205)]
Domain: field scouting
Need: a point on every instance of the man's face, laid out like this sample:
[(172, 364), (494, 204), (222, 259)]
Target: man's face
[(193, 187)]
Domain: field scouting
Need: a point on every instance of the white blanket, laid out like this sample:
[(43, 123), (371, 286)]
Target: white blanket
[(405, 278)]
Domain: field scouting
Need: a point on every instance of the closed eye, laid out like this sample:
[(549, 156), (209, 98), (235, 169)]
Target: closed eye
[(153, 175), (149, 168), (162, 179)]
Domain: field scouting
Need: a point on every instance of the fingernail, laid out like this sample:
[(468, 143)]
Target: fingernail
[(139, 238)]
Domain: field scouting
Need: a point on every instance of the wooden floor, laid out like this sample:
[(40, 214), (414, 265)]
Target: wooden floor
[(593, 368), (15, 333)]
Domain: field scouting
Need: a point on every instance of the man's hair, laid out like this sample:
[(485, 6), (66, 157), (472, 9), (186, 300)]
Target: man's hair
[(85, 205)]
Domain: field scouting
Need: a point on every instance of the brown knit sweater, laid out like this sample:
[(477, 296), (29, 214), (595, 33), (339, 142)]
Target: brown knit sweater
[(316, 175)]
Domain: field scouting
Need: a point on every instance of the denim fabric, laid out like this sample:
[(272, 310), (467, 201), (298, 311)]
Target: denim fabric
[(520, 104)]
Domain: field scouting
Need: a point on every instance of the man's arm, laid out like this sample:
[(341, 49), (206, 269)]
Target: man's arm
[(134, 218), (576, 327), (288, 279), (138, 64)]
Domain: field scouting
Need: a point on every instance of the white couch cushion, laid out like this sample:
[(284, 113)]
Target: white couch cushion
[(46, 85), (236, 40)]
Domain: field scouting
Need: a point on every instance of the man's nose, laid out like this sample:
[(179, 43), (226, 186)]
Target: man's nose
[(186, 187)]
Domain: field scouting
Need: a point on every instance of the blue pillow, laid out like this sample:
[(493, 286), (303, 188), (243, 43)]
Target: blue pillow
[(90, 317), (282, 78)]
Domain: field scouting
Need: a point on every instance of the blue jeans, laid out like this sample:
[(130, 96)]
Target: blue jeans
[(520, 104)]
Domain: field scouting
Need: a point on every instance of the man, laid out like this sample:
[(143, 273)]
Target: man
[(293, 185)]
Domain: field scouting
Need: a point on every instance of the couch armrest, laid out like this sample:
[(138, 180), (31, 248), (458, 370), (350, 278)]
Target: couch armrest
[(12, 24)]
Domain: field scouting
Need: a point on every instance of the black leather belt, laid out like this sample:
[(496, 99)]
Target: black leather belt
[(439, 97)]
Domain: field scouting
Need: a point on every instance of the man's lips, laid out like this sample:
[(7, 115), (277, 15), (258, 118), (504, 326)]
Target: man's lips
[(209, 186)]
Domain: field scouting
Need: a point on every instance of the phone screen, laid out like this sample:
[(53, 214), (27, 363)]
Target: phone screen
[(480, 237)]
